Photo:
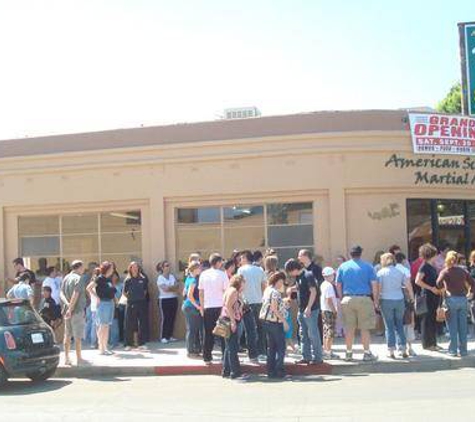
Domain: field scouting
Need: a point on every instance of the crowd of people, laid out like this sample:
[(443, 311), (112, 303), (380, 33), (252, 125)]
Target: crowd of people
[(260, 305)]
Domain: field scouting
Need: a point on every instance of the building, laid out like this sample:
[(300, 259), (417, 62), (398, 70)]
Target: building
[(241, 113), (322, 181)]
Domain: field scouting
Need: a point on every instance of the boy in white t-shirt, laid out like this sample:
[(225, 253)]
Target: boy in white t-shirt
[(329, 307)]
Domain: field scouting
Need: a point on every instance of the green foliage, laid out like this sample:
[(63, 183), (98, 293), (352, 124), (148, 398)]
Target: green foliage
[(452, 103)]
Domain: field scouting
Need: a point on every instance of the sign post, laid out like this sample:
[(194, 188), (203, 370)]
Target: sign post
[(467, 54)]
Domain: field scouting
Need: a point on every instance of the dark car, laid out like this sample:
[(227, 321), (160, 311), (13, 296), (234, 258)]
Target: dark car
[(27, 344)]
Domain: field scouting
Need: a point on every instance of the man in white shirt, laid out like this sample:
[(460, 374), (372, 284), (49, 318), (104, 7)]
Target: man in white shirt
[(212, 284), (253, 289), (54, 283)]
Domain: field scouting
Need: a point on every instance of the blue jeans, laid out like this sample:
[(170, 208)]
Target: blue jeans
[(250, 328), (393, 317), (114, 336), (90, 336), (231, 365), (275, 348), (457, 323), (194, 324), (310, 336)]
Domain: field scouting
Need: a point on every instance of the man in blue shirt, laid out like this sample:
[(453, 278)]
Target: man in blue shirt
[(357, 285)]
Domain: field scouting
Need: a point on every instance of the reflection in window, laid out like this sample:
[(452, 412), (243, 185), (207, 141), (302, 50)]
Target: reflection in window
[(198, 215), (91, 237), (215, 229), (419, 225)]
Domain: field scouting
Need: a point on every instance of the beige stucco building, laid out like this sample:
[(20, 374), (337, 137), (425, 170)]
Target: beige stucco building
[(320, 180)]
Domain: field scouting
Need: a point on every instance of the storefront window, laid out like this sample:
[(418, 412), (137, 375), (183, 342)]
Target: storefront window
[(441, 222), (284, 227), (419, 225), (58, 240)]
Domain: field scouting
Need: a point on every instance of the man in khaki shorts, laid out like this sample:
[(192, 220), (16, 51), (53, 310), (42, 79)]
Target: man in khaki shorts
[(73, 297), (357, 285)]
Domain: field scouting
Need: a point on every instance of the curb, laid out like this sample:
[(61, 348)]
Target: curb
[(358, 368)]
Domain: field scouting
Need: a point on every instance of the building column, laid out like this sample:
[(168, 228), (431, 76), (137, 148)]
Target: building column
[(338, 222)]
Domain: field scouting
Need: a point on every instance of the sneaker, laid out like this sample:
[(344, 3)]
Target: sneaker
[(369, 357), (164, 341), (390, 355), (412, 353), (349, 357), (242, 377), (334, 356), (262, 357), (403, 354), (302, 362), (327, 356), (172, 339)]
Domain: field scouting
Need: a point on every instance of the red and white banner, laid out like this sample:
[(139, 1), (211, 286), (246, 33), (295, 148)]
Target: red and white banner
[(442, 134)]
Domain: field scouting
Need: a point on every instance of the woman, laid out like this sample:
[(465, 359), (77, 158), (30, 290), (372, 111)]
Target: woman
[(232, 310), (192, 310), (426, 279), (377, 261), (273, 315), (115, 330), (271, 264), (391, 282), (457, 283), (168, 300), (103, 289), (230, 268), (136, 309), (471, 270)]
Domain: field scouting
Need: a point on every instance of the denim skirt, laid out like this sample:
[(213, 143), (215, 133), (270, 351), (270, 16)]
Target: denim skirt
[(105, 312)]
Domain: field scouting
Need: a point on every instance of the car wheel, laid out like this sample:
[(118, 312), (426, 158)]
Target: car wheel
[(41, 376), (3, 376)]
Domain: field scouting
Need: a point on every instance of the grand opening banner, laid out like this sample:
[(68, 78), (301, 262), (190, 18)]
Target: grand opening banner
[(442, 134)]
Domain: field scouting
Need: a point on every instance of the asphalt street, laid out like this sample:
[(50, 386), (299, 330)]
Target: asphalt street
[(437, 396)]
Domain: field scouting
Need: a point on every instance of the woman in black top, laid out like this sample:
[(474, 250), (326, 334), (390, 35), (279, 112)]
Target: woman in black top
[(136, 311), (104, 290), (427, 279)]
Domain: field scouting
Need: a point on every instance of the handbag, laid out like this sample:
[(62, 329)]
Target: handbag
[(223, 328), (420, 304), (442, 313)]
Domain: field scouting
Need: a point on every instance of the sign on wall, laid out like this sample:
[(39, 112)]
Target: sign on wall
[(442, 134), (467, 54)]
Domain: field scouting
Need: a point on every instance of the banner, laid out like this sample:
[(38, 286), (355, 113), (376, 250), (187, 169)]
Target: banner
[(442, 134), (467, 54)]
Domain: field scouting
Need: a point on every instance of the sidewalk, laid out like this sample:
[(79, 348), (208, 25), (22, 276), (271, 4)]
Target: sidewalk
[(171, 359)]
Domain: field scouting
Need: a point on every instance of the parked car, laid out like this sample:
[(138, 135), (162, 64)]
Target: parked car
[(27, 343)]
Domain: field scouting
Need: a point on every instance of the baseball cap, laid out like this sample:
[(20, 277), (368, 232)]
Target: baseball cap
[(76, 263), (356, 250), (328, 271)]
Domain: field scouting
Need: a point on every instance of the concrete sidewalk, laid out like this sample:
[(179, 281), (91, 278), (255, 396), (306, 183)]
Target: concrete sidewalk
[(171, 359)]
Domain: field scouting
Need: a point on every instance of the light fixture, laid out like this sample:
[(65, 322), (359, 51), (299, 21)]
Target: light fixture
[(128, 216)]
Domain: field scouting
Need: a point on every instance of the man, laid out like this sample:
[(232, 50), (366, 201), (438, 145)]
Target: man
[(306, 287), (356, 282), (306, 259), (19, 267), (439, 261), (253, 289), (22, 289), (73, 297), (213, 283)]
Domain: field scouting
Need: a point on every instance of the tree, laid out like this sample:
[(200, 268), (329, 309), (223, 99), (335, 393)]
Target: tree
[(452, 103)]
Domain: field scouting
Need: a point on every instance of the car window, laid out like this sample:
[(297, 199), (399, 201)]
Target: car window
[(17, 314)]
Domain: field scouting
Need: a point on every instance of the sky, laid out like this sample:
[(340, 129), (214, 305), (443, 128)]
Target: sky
[(85, 65)]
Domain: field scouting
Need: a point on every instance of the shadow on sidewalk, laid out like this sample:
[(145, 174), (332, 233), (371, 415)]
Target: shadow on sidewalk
[(25, 387)]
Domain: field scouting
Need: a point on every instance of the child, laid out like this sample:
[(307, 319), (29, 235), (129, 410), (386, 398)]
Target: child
[(289, 334), (50, 311), (329, 307)]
